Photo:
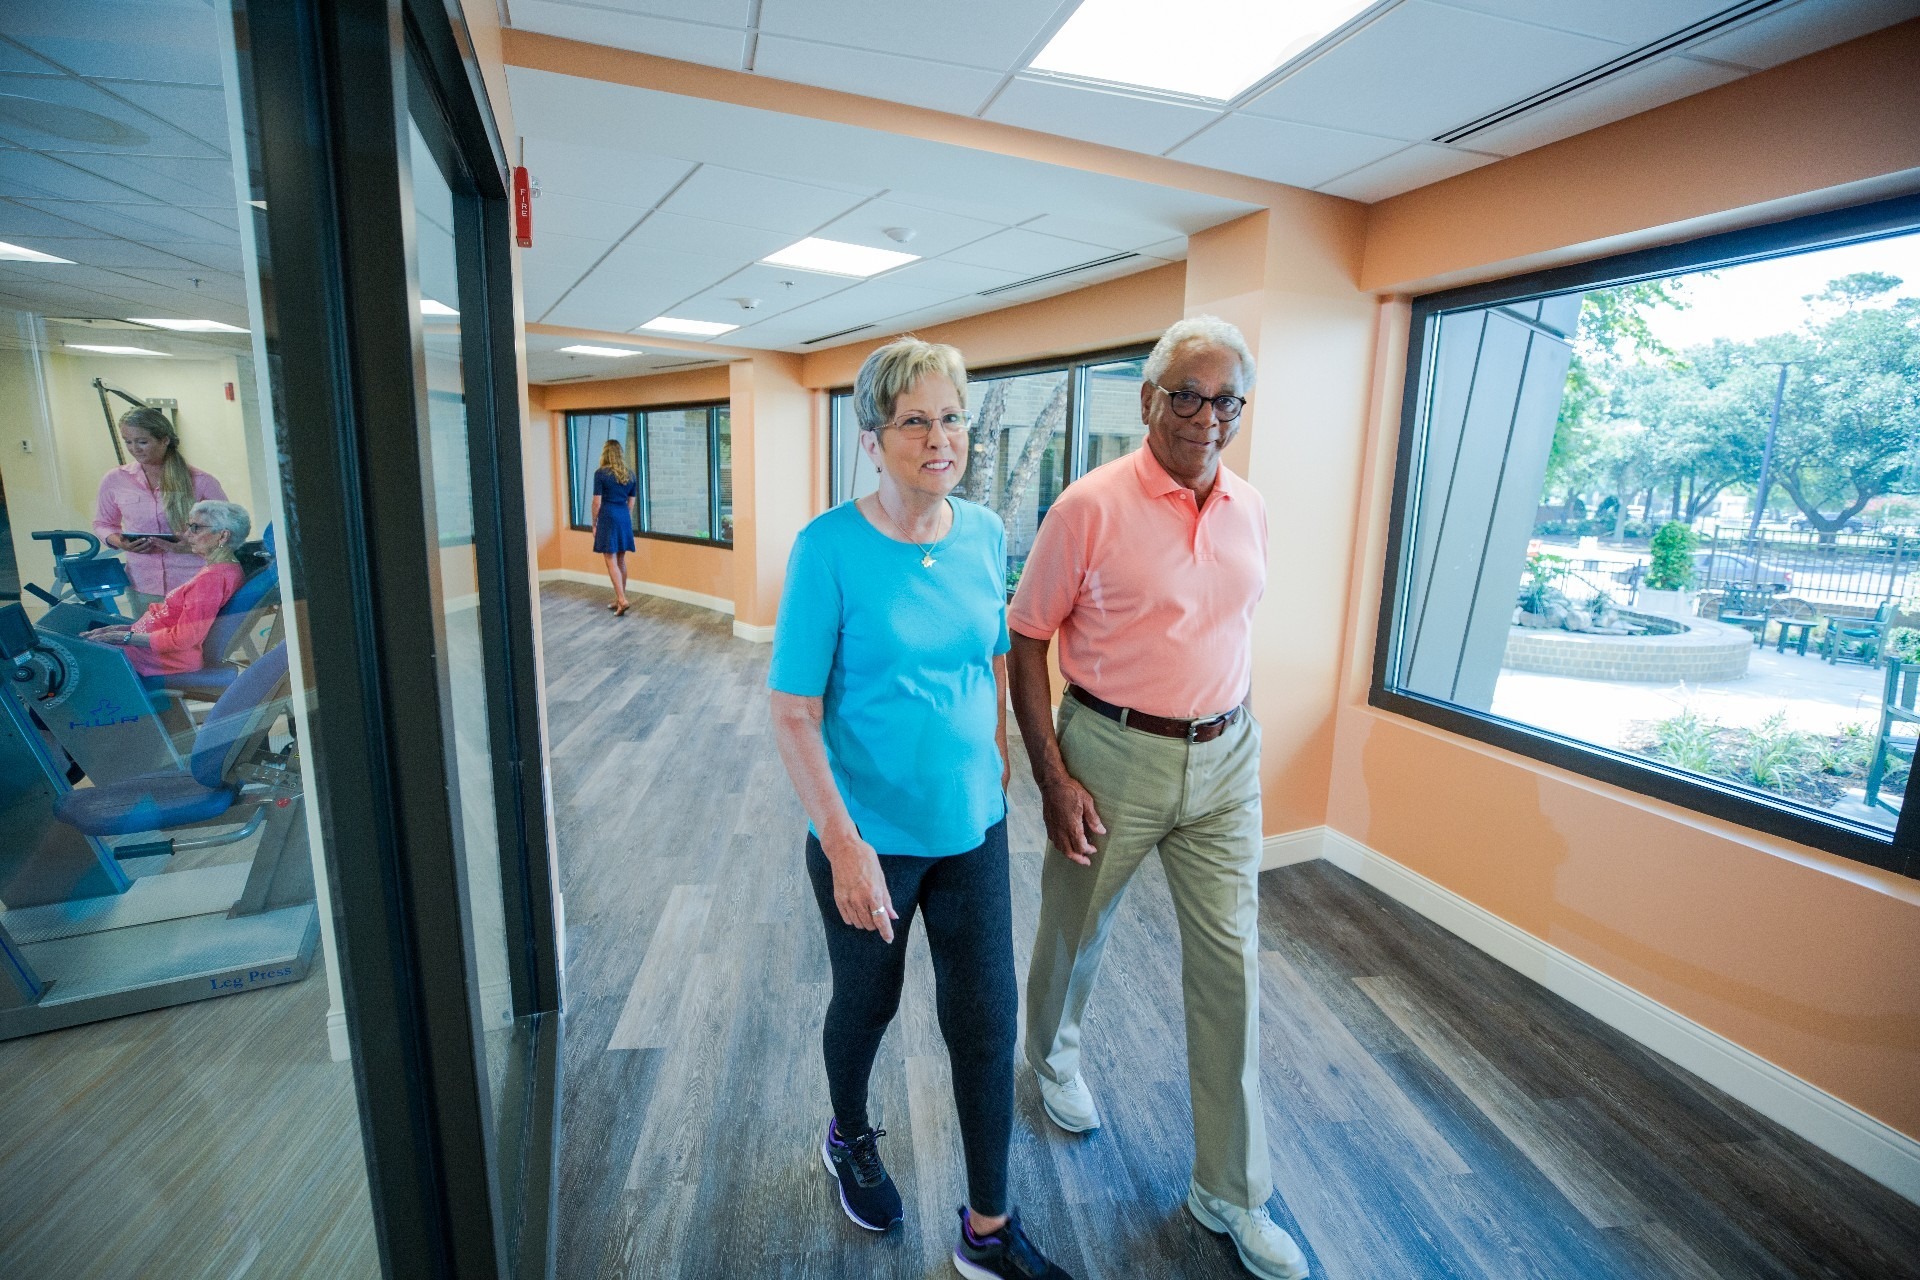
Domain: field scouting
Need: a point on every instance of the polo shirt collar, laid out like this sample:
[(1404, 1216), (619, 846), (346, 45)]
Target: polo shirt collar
[(1158, 484)]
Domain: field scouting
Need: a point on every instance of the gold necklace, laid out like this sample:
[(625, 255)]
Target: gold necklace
[(926, 549)]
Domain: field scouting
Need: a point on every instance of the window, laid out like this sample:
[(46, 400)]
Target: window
[(683, 455), (1657, 521), (1036, 428)]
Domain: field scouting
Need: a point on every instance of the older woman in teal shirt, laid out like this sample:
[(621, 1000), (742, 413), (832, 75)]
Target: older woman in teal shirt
[(888, 682)]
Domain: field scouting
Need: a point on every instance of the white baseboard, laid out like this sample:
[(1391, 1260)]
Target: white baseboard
[(339, 1048), (1876, 1149), (716, 603), (1294, 846), (758, 635), (471, 600)]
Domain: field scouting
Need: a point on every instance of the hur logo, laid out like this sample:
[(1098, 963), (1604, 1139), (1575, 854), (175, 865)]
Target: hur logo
[(103, 714)]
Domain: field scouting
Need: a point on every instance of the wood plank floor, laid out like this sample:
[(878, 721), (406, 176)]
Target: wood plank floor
[(1431, 1113)]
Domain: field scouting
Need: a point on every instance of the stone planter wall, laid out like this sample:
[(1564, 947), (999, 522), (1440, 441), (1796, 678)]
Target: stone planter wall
[(1704, 651)]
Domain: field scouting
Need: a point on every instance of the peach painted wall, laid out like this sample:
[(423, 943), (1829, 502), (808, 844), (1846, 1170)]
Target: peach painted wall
[(686, 566), (774, 456), (1807, 960), (1833, 129)]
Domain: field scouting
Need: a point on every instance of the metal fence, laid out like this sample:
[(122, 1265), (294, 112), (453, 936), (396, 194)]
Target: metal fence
[(1858, 569)]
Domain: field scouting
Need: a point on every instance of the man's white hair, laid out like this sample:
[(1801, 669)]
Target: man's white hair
[(1210, 331)]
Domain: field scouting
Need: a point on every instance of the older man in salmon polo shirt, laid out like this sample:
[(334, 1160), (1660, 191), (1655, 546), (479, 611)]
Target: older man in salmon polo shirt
[(1148, 570)]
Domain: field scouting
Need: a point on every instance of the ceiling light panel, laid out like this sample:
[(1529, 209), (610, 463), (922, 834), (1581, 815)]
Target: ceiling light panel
[(429, 307), (18, 253), (115, 351), (838, 258), (692, 328), (1224, 46), (609, 352), (187, 326)]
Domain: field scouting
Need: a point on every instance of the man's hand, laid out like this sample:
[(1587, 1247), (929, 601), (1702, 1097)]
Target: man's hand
[(1072, 821)]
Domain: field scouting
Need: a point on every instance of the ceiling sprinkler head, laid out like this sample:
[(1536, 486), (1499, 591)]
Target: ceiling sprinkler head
[(899, 235)]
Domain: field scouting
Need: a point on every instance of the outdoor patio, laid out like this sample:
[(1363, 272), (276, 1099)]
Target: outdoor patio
[(1815, 697)]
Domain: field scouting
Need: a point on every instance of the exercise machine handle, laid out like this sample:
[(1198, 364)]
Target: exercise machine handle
[(60, 537)]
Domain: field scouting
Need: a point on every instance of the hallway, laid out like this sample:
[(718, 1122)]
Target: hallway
[(1431, 1113)]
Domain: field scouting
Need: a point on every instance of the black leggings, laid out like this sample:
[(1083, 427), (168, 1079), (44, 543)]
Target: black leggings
[(966, 902)]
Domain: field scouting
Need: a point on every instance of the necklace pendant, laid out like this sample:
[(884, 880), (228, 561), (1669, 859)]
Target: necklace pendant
[(926, 561)]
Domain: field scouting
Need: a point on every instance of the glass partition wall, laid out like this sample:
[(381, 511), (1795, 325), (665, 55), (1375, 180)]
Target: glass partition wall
[(280, 974)]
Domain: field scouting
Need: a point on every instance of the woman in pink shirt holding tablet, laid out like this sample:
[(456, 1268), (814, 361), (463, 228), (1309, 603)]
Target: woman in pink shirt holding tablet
[(150, 496), (167, 637)]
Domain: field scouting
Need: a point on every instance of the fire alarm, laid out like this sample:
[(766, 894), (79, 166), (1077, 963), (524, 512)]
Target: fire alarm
[(229, 391)]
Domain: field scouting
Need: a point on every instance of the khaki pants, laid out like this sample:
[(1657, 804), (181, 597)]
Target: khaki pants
[(1199, 805)]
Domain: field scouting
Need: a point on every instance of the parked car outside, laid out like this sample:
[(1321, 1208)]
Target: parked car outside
[(1713, 567)]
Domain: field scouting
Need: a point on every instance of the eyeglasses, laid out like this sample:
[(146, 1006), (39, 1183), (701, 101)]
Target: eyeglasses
[(1187, 403), (194, 526), (915, 426)]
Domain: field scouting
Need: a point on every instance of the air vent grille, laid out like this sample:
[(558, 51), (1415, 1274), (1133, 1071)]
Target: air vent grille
[(1109, 260), (1710, 25), (826, 337)]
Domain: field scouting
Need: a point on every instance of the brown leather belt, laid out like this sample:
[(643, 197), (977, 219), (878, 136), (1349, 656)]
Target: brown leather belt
[(1188, 730)]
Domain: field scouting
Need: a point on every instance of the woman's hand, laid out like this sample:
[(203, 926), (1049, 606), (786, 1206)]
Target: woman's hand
[(108, 635), (859, 888), (137, 546)]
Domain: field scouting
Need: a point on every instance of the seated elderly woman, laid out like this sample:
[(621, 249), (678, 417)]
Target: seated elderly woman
[(167, 637)]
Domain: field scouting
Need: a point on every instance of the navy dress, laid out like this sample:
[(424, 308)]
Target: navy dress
[(613, 531)]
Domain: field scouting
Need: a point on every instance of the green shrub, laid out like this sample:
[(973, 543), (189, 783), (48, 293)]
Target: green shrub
[(1903, 645), (1688, 741), (1672, 566), (1772, 756)]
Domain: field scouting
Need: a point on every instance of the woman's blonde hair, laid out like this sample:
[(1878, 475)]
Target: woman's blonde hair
[(176, 478), (614, 460), (891, 370)]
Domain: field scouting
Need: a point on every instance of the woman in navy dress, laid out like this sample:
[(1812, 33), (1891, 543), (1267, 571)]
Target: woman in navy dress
[(613, 491)]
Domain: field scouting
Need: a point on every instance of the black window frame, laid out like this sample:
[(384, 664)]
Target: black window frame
[(1899, 852), (1075, 366), (636, 415)]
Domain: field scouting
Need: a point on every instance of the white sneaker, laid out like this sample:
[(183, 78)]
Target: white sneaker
[(1265, 1249), (1069, 1104)]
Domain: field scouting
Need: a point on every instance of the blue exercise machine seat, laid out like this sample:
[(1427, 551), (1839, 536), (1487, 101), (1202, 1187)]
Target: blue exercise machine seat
[(210, 784)]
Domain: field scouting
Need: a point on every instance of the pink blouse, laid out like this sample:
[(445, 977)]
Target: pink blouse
[(176, 627), (130, 506)]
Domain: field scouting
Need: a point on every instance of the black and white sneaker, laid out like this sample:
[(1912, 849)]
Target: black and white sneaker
[(1007, 1254), (867, 1194)]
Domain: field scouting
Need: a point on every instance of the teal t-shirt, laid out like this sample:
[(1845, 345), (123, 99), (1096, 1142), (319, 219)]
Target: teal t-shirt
[(902, 656)]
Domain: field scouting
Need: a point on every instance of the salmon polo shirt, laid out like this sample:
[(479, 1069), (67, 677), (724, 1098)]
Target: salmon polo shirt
[(1151, 596)]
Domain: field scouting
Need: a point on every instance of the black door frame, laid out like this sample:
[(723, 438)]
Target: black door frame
[(329, 80)]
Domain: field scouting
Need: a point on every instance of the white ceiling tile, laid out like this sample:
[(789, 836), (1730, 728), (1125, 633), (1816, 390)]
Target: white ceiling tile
[(134, 221), (1422, 69), (178, 180), (1615, 98), (14, 58), (1006, 207), (1418, 165), (200, 110), (935, 232), (715, 46), (637, 179), (958, 279), (918, 82), (560, 257), (1631, 22), (105, 252), (666, 234), (153, 137), (981, 33), (722, 194), (1108, 235), (1110, 116), (725, 13), (779, 290), (1781, 35), (30, 174), (1300, 155), (1027, 253), (1168, 250), (581, 218), (170, 40)]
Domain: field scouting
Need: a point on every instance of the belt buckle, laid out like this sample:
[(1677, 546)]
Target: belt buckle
[(1195, 726)]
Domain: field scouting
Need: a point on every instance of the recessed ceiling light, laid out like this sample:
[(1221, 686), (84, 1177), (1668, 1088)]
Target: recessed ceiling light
[(1224, 45), (187, 326), (428, 307), (601, 351), (838, 258), (116, 351), (696, 328), (14, 253)]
